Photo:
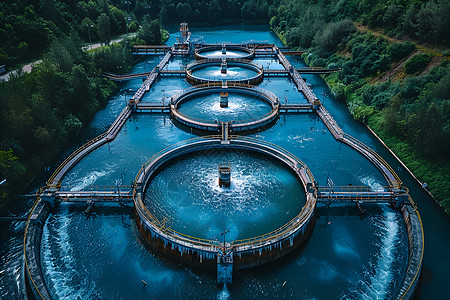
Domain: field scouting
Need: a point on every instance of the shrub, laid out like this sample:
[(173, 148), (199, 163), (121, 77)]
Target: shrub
[(398, 51), (417, 63)]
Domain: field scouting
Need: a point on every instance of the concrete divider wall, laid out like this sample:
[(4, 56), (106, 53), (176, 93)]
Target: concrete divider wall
[(414, 230), (34, 279), (275, 250), (193, 257)]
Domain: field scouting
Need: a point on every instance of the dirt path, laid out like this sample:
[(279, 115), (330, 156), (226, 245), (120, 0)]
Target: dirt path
[(397, 71), (424, 48)]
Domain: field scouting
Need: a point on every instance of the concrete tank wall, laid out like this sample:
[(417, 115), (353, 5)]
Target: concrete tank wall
[(186, 255), (273, 251)]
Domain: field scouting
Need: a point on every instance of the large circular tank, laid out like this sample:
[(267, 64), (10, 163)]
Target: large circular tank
[(264, 194), (182, 211), (246, 107), (224, 51), (214, 70)]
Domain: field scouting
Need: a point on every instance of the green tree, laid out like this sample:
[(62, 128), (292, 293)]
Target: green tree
[(87, 29), (417, 63), (104, 28), (83, 103), (163, 16), (6, 160), (150, 32)]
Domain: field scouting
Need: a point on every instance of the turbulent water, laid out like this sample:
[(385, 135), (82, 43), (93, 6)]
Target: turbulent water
[(101, 255), (240, 108), (263, 195), (228, 54), (232, 73)]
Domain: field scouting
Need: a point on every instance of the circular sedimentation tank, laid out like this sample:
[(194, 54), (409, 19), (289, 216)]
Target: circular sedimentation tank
[(229, 70), (217, 51), (269, 207), (181, 210), (247, 107)]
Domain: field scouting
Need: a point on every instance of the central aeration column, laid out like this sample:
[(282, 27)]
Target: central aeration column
[(223, 66), (223, 99), (224, 175)]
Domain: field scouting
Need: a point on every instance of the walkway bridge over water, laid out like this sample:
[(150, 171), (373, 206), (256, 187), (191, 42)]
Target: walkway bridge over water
[(361, 195), (334, 128), (113, 130), (106, 194), (181, 73), (324, 194)]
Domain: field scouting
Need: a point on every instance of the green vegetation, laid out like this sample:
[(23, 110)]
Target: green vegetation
[(27, 28), (417, 63), (399, 89), (381, 80), (44, 110)]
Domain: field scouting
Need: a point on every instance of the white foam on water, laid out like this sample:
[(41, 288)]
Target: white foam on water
[(377, 282), (57, 259), (224, 293), (81, 183), (370, 181)]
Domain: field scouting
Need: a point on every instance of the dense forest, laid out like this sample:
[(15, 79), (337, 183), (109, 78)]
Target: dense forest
[(395, 73), (394, 56), (42, 111)]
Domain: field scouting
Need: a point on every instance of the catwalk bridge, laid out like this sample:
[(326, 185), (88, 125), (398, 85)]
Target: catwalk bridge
[(55, 180), (360, 194), (181, 73), (393, 194)]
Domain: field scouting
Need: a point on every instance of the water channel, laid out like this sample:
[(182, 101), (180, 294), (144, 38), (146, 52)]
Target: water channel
[(102, 255)]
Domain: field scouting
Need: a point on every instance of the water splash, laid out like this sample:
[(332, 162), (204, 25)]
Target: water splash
[(224, 293), (379, 278), (240, 107), (373, 183), (263, 194), (80, 183), (57, 260)]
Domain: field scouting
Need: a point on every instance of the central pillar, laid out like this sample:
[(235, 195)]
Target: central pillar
[(224, 49), (224, 175), (223, 67), (223, 99), (224, 268)]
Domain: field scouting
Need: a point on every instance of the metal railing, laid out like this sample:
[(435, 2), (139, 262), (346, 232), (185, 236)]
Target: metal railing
[(73, 155), (390, 173), (213, 245)]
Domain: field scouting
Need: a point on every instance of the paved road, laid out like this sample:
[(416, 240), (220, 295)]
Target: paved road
[(27, 68)]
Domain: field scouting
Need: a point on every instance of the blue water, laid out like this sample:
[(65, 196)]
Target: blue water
[(240, 108), (264, 195), (233, 73), (227, 54), (102, 255)]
